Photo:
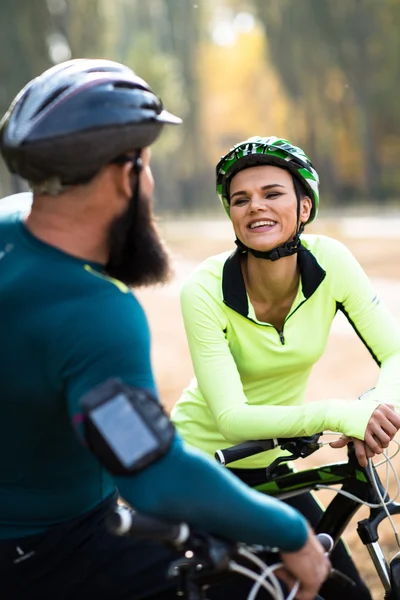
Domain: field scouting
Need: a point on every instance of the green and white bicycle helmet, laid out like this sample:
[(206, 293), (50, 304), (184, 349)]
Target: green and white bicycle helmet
[(267, 151), (257, 151)]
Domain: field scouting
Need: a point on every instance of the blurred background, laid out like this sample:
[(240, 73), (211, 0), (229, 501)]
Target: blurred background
[(323, 73)]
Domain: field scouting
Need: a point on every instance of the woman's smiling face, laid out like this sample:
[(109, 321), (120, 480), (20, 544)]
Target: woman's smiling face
[(263, 207)]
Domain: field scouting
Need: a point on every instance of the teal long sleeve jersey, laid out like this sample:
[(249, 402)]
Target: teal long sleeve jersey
[(66, 328), (251, 379)]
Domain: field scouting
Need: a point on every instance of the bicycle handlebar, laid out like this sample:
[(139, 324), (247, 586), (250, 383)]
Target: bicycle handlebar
[(244, 450), (210, 557), (299, 446), (123, 521)]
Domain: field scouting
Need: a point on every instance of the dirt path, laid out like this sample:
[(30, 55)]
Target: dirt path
[(345, 370)]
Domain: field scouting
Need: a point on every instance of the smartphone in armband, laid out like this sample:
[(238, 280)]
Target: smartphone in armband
[(125, 427)]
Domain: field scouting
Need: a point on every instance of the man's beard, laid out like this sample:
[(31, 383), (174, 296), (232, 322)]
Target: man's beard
[(138, 256)]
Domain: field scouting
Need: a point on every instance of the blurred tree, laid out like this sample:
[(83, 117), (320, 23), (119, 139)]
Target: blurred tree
[(23, 54), (319, 72), (186, 21), (34, 35), (244, 96), (160, 41), (339, 61)]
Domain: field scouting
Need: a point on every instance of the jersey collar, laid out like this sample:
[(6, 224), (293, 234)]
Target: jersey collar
[(234, 290)]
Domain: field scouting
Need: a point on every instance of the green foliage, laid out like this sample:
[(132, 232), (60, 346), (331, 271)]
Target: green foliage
[(323, 73), (159, 40), (339, 64), (29, 29)]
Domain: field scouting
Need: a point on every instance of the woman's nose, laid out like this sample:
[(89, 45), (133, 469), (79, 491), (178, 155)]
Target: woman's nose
[(257, 203)]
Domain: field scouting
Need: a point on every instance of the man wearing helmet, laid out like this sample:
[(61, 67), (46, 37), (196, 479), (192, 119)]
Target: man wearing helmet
[(258, 319), (75, 359)]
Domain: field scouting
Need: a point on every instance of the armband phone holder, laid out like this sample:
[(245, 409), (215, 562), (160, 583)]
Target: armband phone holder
[(125, 427)]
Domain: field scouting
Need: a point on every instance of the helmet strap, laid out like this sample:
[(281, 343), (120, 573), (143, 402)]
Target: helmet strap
[(290, 247), (137, 167), (137, 164)]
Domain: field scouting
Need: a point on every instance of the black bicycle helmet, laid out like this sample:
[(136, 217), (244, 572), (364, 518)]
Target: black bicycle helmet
[(77, 117)]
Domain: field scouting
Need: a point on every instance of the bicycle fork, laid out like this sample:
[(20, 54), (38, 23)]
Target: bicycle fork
[(380, 564)]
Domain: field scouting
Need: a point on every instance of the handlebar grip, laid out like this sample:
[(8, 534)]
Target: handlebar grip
[(229, 455), (123, 521)]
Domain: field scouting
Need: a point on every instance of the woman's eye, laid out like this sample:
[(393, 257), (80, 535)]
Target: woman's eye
[(272, 195), (239, 201)]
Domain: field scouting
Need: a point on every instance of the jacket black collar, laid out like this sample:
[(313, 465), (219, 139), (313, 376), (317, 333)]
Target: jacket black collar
[(234, 289)]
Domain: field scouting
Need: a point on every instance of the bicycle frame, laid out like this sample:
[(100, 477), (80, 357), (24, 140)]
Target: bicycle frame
[(355, 480)]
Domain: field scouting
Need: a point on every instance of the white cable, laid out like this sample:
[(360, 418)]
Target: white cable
[(276, 593), (338, 435), (294, 591), (265, 569), (352, 497), (389, 516), (267, 573), (324, 443), (385, 460), (243, 551), (273, 586), (386, 486), (359, 500), (383, 502)]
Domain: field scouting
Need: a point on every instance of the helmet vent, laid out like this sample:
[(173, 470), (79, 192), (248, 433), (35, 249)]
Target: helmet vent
[(51, 98), (128, 86)]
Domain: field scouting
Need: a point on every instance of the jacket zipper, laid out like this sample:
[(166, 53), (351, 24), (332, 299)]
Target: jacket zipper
[(280, 333)]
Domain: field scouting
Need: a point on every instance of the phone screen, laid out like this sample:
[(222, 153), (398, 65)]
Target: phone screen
[(124, 430)]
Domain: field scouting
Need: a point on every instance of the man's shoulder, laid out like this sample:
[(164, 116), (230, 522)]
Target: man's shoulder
[(100, 282), (16, 204), (13, 209), (104, 293), (88, 302), (105, 316), (8, 221)]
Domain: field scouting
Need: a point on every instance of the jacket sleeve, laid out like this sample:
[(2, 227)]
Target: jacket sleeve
[(372, 321)]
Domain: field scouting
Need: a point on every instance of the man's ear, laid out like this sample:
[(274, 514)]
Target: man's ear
[(126, 180), (305, 209), (122, 178)]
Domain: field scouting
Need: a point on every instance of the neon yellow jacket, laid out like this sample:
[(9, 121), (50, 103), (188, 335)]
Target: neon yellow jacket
[(251, 379)]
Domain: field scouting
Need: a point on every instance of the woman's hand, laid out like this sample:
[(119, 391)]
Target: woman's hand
[(362, 450), (381, 429)]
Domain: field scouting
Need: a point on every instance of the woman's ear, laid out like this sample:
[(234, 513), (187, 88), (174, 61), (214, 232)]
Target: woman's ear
[(305, 209)]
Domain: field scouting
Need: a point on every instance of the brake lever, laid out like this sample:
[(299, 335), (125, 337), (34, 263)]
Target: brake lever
[(299, 448), (303, 446)]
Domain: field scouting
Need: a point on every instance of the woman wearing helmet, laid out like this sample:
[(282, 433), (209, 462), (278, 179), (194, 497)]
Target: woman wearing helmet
[(257, 320)]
